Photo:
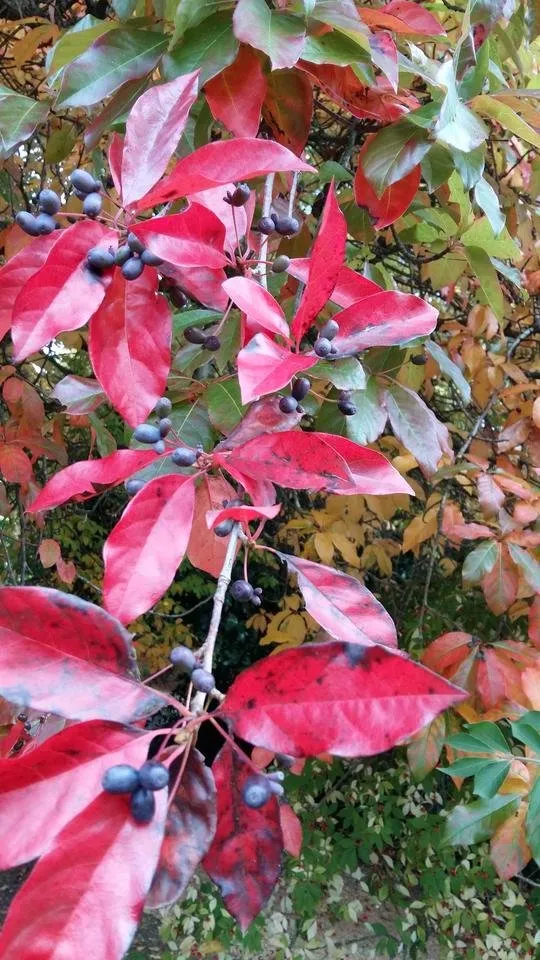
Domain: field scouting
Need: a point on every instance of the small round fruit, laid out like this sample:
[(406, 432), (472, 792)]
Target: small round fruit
[(194, 335), (163, 407), (132, 268), (224, 528), (266, 225), (301, 388), (100, 259), (287, 404), (84, 181), (121, 778), (212, 343), (134, 244), (183, 457), (133, 486), (258, 591), (419, 359), (285, 760), (347, 408), (160, 446), (123, 254), (256, 601), (281, 264), (146, 433), (178, 297), (143, 805), (153, 775), (184, 658), (202, 680), (322, 347), (276, 775), (276, 788), (242, 590), (239, 196), (49, 201), (45, 223), (329, 330), (151, 259), (256, 792), (333, 350), (164, 426), (27, 222), (287, 226), (92, 204)]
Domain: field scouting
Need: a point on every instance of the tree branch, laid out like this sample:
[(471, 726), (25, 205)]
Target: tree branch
[(263, 249)]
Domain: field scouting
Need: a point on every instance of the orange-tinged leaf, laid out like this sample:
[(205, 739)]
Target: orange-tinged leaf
[(424, 750), (530, 681), (509, 850), (15, 466), (518, 780), (534, 622), (500, 585), (291, 829), (448, 650), (49, 552), (490, 679), (66, 570), (536, 412)]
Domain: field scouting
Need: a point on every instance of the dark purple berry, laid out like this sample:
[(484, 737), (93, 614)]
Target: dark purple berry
[(285, 760), (45, 223), (164, 426), (153, 775), (333, 350), (239, 196), (134, 244), (143, 805), (329, 330), (212, 343), (256, 792), (160, 447), (287, 226), (184, 658), (133, 486), (27, 222), (419, 359), (178, 297), (322, 347), (151, 259), (49, 201), (347, 408), (193, 335), (100, 259), (301, 388), (202, 680), (84, 182), (258, 591), (256, 601), (266, 225), (120, 779), (242, 590), (132, 268), (183, 457), (287, 404), (224, 528), (163, 407), (281, 264), (123, 254), (146, 433), (92, 204)]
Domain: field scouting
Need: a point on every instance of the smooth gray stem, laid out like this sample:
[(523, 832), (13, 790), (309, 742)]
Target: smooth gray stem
[(292, 195), (263, 249)]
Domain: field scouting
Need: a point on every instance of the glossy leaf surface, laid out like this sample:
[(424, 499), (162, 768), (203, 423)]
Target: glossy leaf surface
[(87, 478)]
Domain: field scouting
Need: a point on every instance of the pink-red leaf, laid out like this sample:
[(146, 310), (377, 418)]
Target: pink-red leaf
[(147, 546), (381, 320), (87, 478), (236, 95), (50, 785), (63, 294), (80, 395), (242, 514), (154, 127), (245, 857), (116, 150), (403, 17), (17, 272), (393, 202), (15, 466), (264, 416), (342, 605), (350, 286), (291, 828), (191, 239), (130, 345), (325, 262), (338, 698), (206, 551), (261, 308), (222, 162), (85, 897), (189, 832), (264, 367)]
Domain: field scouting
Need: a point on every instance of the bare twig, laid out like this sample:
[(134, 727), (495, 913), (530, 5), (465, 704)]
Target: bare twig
[(263, 249)]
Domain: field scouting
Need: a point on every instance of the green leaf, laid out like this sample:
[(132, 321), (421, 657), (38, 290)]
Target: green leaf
[(19, 117), (470, 823), (533, 821), (507, 117), (470, 166), (332, 170), (484, 270), (346, 374), (448, 367), (113, 59), (488, 780), (210, 48), (437, 166), (123, 8), (61, 143), (528, 565), (393, 153), (344, 17), (479, 738), (488, 201), (189, 13), (75, 41), (527, 729), (479, 561), (465, 767), (278, 34), (192, 423), (365, 426), (457, 126), (224, 404), (105, 441)]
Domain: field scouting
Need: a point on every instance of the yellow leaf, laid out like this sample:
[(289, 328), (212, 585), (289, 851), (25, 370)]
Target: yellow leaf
[(324, 547), (346, 549), (419, 530), (536, 412), (25, 48), (518, 779)]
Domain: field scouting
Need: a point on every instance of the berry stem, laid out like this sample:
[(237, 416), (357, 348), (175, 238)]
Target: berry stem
[(292, 195), (267, 203), (158, 674)]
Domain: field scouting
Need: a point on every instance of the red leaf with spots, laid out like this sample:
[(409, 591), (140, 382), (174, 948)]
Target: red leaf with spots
[(62, 655), (17, 272), (242, 514), (343, 699), (222, 162), (236, 95), (148, 544), (63, 294), (245, 857), (86, 895), (87, 478), (384, 319), (191, 239), (189, 832), (395, 200), (130, 345), (341, 604), (261, 308), (350, 286), (325, 263), (50, 785), (206, 551), (265, 366)]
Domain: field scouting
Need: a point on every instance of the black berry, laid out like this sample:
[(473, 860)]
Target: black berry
[(49, 201), (184, 658), (120, 779), (100, 259), (132, 268), (256, 792), (419, 359), (134, 244), (183, 457), (27, 222), (163, 407), (266, 225), (143, 805), (224, 528), (212, 343), (322, 347), (287, 404), (193, 335), (133, 486), (122, 255), (92, 204), (347, 408), (151, 259), (281, 264), (301, 388), (202, 680), (178, 297), (287, 226), (242, 590), (153, 775), (45, 223), (239, 196), (146, 433), (84, 182), (329, 330)]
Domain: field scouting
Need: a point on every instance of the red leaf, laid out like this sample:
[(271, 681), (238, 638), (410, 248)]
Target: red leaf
[(395, 200), (85, 897), (130, 345), (350, 286), (315, 461), (236, 220), (236, 95), (242, 514), (384, 319), (154, 127), (263, 416), (47, 787), (201, 284), (80, 395), (366, 103), (245, 857), (403, 17), (261, 308), (454, 527), (325, 262), (500, 585), (336, 698), (222, 162), (490, 679), (191, 239), (291, 829), (189, 831), (16, 273), (116, 150), (264, 367), (288, 108), (88, 477), (206, 551), (447, 650), (49, 552), (147, 545), (384, 54), (15, 466), (341, 604), (63, 294)]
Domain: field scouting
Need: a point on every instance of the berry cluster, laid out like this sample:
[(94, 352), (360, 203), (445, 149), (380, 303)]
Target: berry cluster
[(207, 340), (284, 225), (323, 345), (141, 784), (184, 658), (260, 787), (243, 591), (44, 222), (300, 389), (132, 257)]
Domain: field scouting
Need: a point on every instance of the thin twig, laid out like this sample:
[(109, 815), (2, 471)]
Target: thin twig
[(263, 249), (292, 195)]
